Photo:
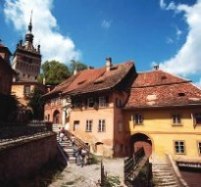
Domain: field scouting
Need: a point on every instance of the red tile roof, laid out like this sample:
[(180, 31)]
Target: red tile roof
[(161, 89), (92, 80)]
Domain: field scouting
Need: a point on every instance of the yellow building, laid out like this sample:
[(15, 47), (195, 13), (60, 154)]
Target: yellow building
[(163, 115)]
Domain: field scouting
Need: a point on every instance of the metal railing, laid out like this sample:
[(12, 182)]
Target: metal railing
[(103, 175), (78, 142)]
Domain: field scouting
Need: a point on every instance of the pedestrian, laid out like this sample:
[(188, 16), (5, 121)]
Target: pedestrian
[(83, 155), (61, 135), (77, 156)]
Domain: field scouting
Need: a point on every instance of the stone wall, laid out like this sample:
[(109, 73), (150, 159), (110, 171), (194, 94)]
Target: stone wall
[(27, 156)]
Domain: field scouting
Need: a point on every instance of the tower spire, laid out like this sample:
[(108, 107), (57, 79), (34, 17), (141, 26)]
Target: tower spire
[(29, 36), (30, 23)]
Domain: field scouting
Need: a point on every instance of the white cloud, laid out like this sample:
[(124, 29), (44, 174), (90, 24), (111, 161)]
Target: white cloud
[(54, 45), (169, 40), (106, 24), (188, 58), (178, 33), (170, 6)]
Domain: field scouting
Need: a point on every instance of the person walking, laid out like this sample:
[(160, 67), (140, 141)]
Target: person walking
[(83, 155), (61, 135)]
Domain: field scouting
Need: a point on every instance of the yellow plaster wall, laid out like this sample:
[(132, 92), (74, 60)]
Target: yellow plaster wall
[(158, 125)]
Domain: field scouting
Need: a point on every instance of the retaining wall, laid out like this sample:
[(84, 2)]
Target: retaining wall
[(25, 157)]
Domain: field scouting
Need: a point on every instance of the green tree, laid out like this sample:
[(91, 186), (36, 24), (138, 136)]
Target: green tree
[(54, 72), (36, 103), (77, 65)]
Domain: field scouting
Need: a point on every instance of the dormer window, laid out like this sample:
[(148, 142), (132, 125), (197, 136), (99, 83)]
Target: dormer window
[(181, 94), (90, 102)]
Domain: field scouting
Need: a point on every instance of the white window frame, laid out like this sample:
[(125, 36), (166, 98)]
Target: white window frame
[(101, 125), (179, 146), (176, 119), (89, 124), (138, 119)]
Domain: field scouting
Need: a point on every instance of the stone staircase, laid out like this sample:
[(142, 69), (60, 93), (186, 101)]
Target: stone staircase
[(67, 148), (163, 175)]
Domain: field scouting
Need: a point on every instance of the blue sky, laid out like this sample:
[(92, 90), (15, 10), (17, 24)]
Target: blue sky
[(145, 31)]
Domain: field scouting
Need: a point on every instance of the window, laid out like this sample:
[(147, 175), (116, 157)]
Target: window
[(138, 118), (197, 118), (76, 103), (76, 125), (89, 125), (179, 147), (90, 102), (176, 119), (102, 101), (27, 90), (199, 148), (101, 126)]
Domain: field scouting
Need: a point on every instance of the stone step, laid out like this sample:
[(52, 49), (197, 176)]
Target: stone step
[(164, 174), (68, 150), (162, 178), (65, 144), (174, 185), (167, 184)]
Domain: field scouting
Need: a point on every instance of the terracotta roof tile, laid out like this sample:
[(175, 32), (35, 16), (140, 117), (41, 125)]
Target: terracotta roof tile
[(92, 80), (102, 79), (149, 90), (156, 77)]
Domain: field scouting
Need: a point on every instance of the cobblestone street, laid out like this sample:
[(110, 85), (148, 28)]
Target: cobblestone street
[(88, 176)]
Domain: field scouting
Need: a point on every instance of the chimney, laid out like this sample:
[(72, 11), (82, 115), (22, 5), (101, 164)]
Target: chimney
[(108, 63), (90, 67), (156, 67)]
